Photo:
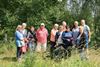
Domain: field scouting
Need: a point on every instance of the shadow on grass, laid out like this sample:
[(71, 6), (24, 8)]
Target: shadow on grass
[(10, 59)]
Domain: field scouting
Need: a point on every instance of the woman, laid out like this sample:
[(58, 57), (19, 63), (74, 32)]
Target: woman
[(67, 40), (52, 38), (32, 38), (75, 32), (64, 25), (19, 41), (81, 43)]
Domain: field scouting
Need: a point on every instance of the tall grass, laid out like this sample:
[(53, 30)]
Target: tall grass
[(8, 53)]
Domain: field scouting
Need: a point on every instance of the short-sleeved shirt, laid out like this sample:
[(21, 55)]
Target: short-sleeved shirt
[(42, 35), (86, 29), (75, 32), (59, 41), (52, 35)]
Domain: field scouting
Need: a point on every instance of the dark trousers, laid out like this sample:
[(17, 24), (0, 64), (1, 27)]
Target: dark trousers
[(18, 52), (68, 47), (52, 47)]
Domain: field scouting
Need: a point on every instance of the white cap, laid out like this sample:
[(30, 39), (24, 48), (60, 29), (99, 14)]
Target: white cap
[(24, 24), (42, 24)]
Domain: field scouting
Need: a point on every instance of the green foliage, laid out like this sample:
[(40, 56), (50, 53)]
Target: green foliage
[(33, 12)]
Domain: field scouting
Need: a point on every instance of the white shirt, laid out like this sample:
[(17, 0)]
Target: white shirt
[(59, 41)]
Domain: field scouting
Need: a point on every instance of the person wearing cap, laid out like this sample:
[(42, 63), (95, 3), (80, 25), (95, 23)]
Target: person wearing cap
[(52, 38), (19, 41), (41, 35)]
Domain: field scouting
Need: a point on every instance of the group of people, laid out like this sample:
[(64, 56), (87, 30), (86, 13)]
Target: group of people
[(30, 39), (61, 35)]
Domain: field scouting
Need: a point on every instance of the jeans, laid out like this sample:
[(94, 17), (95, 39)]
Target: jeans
[(52, 47), (32, 46), (86, 40)]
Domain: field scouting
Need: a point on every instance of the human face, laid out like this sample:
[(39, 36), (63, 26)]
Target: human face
[(64, 23), (76, 24), (82, 22), (68, 29), (19, 28), (55, 27), (60, 28), (32, 28), (42, 26), (23, 26)]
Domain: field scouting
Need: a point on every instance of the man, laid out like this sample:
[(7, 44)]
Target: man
[(86, 31), (41, 36), (52, 38)]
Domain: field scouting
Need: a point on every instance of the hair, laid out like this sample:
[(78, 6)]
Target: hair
[(18, 27), (56, 25)]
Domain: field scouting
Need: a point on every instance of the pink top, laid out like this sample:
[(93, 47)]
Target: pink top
[(42, 35), (53, 33)]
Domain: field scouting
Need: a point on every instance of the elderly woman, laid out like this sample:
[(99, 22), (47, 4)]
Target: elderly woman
[(52, 38), (67, 40), (75, 32), (64, 25), (19, 41)]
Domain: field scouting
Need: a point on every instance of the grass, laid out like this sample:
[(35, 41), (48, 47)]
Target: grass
[(8, 53)]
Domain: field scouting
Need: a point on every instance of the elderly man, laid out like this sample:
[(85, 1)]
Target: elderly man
[(86, 31), (41, 36)]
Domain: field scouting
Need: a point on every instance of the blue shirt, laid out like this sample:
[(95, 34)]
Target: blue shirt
[(66, 35), (18, 36)]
